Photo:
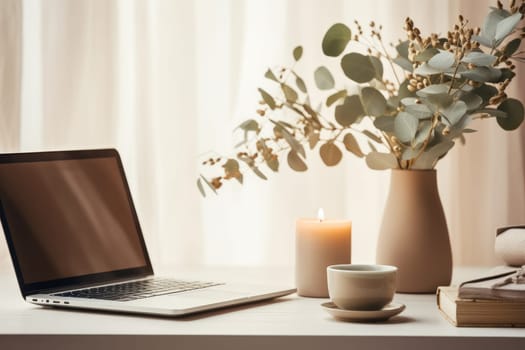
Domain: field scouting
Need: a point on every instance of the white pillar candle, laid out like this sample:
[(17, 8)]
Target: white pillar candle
[(318, 244)]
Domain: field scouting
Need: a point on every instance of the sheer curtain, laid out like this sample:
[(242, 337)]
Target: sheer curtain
[(167, 81)]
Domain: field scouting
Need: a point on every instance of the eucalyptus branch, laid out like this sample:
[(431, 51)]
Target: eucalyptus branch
[(453, 77), (401, 117), (390, 61), (435, 120), (391, 148)]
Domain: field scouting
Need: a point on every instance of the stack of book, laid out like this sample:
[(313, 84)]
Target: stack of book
[(493, 301)]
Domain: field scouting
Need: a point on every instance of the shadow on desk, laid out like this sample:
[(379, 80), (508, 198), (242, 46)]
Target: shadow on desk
[(394, 320)]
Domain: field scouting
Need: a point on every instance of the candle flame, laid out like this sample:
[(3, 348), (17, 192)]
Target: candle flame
[(320, 214)]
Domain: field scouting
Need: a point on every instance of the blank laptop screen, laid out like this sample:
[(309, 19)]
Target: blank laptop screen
[(69, 218)]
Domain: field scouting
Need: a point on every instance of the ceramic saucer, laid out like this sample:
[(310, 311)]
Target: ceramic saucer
[(385, 313)]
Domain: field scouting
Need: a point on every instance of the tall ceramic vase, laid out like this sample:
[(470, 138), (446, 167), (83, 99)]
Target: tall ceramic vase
[(414, 235)]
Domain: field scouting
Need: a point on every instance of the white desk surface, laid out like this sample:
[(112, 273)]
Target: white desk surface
[(290, 322)]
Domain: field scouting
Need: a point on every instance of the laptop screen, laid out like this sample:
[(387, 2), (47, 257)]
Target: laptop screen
[(69, 218)]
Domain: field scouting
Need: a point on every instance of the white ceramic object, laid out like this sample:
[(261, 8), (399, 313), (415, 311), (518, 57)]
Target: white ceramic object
[(510, 245), (361, 287)]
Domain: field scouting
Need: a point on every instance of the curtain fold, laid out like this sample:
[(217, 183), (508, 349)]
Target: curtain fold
[(10, 83), (10, 73), (166, 82)]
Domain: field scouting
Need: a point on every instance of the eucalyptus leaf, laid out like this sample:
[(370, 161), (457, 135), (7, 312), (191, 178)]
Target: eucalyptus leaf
[(410, 101), (351, 145), (436, 89), (272, 163), (335, 97), (208, 184), (506, 26), (442, 61), (506, 73), (435, 96), (330, 154), (419, 110), (269, 75), (378, 67), (242, 142), (426, 54), (482, 74), (374, 102), (249, 125), (258, 172), (405, 126), (267, 98), (424, 132), (458, 129), (393, 103), (479, 58), (200, 187), (385, 123), (297, 53), (358, 67), (454, 112), (300, 84), (295, 162), (313, 115), (409, 153), (381, 161), (514, 110), (437, 102), (285, 124), (323, 78), (467, 88), (403, 90), (429, 158), (426, 69), (402, 49), (512, 47), (294, 144), (348, 112), (313, 139), (404, 63), (289, 93), (231, 166), (336, 39), (486, 92), (490, 24), (437, 136), (472, 100), (483, 40), (372, 136)]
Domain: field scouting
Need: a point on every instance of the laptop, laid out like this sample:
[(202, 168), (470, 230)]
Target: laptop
[(75, 240)]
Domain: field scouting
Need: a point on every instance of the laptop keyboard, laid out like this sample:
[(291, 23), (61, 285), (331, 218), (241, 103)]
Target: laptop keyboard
[(137, 290)]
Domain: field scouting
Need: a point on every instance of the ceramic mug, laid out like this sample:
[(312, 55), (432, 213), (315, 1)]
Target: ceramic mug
[(361, 287)]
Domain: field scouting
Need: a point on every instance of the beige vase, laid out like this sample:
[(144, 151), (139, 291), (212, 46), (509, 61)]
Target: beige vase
[(414, 234)]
